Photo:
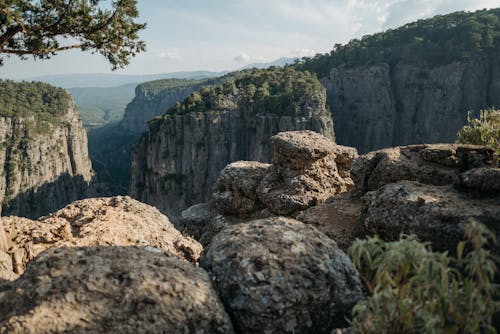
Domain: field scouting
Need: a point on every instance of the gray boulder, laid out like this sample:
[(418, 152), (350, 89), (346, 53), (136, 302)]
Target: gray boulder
[(436, 164), (307, 168), (278, 275), (111, 289), (235, 192), (433, 213)]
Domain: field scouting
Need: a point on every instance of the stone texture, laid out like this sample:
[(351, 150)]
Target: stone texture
[(482, 179), (278, 275), (177, 162), (437, 164), (307, 168), (339, 217), (113, 221), (235, 192), (382, 105), (111, 289), (433, 213), (51, 170), (201, 222)]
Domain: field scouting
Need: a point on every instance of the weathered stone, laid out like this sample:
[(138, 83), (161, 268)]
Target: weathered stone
[(235, 192), (113, 221), (433, 213), (437, 164), (339, 217), (6, 268), (201, 222), (279, 275), (482, 179), (118, 289), (307, 168)]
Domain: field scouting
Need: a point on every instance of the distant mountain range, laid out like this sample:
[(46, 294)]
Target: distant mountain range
[(113, 80), (278, 62)]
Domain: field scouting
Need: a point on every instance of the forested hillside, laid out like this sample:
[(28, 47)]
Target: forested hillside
[(414, 84), (436, 41)]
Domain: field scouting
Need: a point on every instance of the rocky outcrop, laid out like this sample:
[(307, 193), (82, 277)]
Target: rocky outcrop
[(307, 168), (150, 102), (437, 164), (177, 162), (428, 190), (382, 105), (279, 275), (118, 289), (433, 213), (41, 170), (114, 221), (235, 192), (339, 217)]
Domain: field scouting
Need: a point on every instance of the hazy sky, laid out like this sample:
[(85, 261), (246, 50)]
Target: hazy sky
[(228, 34)]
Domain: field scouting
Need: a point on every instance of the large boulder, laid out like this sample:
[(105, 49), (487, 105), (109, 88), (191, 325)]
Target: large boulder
[(433, 213), (111, 289), (484, 180), (235, 192), (436, 164), (201, 222), (278, 275), (113, 221), (306, 169), (339, 217)]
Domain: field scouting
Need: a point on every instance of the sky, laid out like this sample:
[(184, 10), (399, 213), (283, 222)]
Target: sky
[(217, 35)]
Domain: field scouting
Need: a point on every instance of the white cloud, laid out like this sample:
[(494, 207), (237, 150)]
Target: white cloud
[(302, 52), (244, 58), (169, 55)]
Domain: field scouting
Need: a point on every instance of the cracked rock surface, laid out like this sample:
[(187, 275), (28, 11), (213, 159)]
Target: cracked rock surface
[(278, 275), (111, 289), (113, 221)]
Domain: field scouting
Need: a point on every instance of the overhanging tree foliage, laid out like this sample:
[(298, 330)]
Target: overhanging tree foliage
[(40, 28)]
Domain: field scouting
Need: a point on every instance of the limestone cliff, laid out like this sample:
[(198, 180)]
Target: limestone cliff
[(44, 164), (153, 99), (175, 164), (382, 105)]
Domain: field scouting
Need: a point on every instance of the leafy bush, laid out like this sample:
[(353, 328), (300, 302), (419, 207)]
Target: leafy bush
[(415, 290), (484, 130)]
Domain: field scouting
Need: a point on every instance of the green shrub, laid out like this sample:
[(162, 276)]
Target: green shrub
[(415, 290), (484, 130)]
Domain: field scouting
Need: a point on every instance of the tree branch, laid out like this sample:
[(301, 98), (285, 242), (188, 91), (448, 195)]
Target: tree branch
[(40, 52), (11, 31)]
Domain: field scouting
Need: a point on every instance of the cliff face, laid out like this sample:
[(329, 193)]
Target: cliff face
[(175, 164), (381, 106), (149, 103), (42, 171)]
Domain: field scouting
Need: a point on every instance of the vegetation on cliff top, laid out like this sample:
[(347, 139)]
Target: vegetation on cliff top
[(437, 41), (157, 86), (274, 90), (43, 102), (484, 130), (415, 290)]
